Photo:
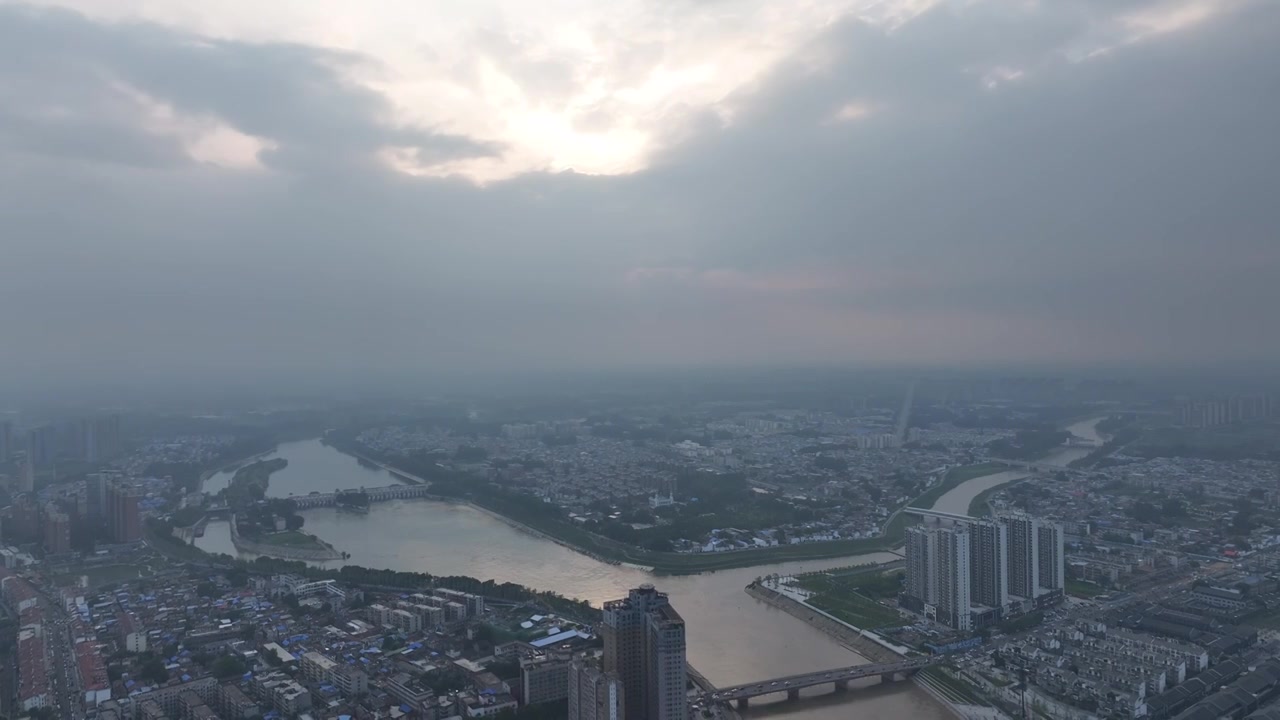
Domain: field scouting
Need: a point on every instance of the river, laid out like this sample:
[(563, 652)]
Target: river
[(732, 637), (957, 500)]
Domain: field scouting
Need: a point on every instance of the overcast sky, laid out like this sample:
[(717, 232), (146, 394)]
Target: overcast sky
[(322, 187)]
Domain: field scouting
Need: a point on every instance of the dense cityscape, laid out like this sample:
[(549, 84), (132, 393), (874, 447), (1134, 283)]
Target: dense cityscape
[(639, 360), (1049, 548)]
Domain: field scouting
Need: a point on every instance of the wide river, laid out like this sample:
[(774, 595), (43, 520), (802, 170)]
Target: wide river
[(732, 637)]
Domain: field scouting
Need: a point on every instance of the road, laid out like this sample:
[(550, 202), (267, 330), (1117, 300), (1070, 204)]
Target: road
[(63, 680)]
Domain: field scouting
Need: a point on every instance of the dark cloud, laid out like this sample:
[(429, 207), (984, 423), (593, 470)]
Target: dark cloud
[(87, 77), (1115, 210)]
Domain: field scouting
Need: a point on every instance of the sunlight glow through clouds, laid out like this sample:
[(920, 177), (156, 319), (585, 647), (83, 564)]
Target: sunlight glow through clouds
[(562, 84), (522, 74)]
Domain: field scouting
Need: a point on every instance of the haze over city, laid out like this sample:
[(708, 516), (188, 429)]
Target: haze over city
[(325, 189)]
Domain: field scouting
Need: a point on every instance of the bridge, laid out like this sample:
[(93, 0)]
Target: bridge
[(793, 684), (380, 494)]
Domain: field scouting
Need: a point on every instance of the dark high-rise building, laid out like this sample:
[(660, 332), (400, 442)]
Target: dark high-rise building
[(100, 438), (593, 693), (23, 524), (123, 519), (644, 644), (989, 564), (57, 531), (6, 440), (42, 446), (96, 496), (1051, 557), (1024, 554)]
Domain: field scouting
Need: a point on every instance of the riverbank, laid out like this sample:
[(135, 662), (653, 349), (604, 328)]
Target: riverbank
[(322, 552), (232, 465), (667, 563), (864, 643)]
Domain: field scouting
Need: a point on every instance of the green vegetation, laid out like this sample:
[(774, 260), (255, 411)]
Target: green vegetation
[(737, 506), (227, 666), (1259, 440), (1120, 437), (546, 518), (249, 484), (352, 499), (158, 533), (850, 597), (857, 610), (1029, 444), (954, 479), (1082, 589), (1265, 619), (980, 504), (100, 575)]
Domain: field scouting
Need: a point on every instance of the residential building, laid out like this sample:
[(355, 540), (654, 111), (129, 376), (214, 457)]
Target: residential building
[(235, 705), (57, 531), (42, 444), (593, 693), (644, 644), (939, 554), (1051, 557), (290, 698), (544, 679), (317, 668), (124, 522), (921, 551), (351, 681), (411, 691), (1023, 573), (989, 563)]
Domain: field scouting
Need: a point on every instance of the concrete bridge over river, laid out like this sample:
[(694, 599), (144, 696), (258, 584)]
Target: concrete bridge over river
[(793, 684)]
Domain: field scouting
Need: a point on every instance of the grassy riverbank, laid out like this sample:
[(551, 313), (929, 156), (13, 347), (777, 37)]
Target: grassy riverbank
[(541, 519), (692, 563), (852, 597)]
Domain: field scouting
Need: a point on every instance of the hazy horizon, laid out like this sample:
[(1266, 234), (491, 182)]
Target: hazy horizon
[(325, 191)]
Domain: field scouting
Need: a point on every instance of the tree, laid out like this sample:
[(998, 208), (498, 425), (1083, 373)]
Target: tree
[(1143, 511), (153, 671), (227, 666), (294, 522)]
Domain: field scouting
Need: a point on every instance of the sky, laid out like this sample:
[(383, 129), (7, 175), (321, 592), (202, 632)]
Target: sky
[(330, 189)]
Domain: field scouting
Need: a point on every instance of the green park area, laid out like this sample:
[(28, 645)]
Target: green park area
[(854, 596), (99, 575), (1082, 589)]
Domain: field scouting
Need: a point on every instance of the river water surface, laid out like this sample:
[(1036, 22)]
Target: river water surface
[(733, 638)]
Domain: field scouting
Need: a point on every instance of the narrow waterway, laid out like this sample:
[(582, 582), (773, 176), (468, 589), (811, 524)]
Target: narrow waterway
[(959, 498), (732, 637)]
